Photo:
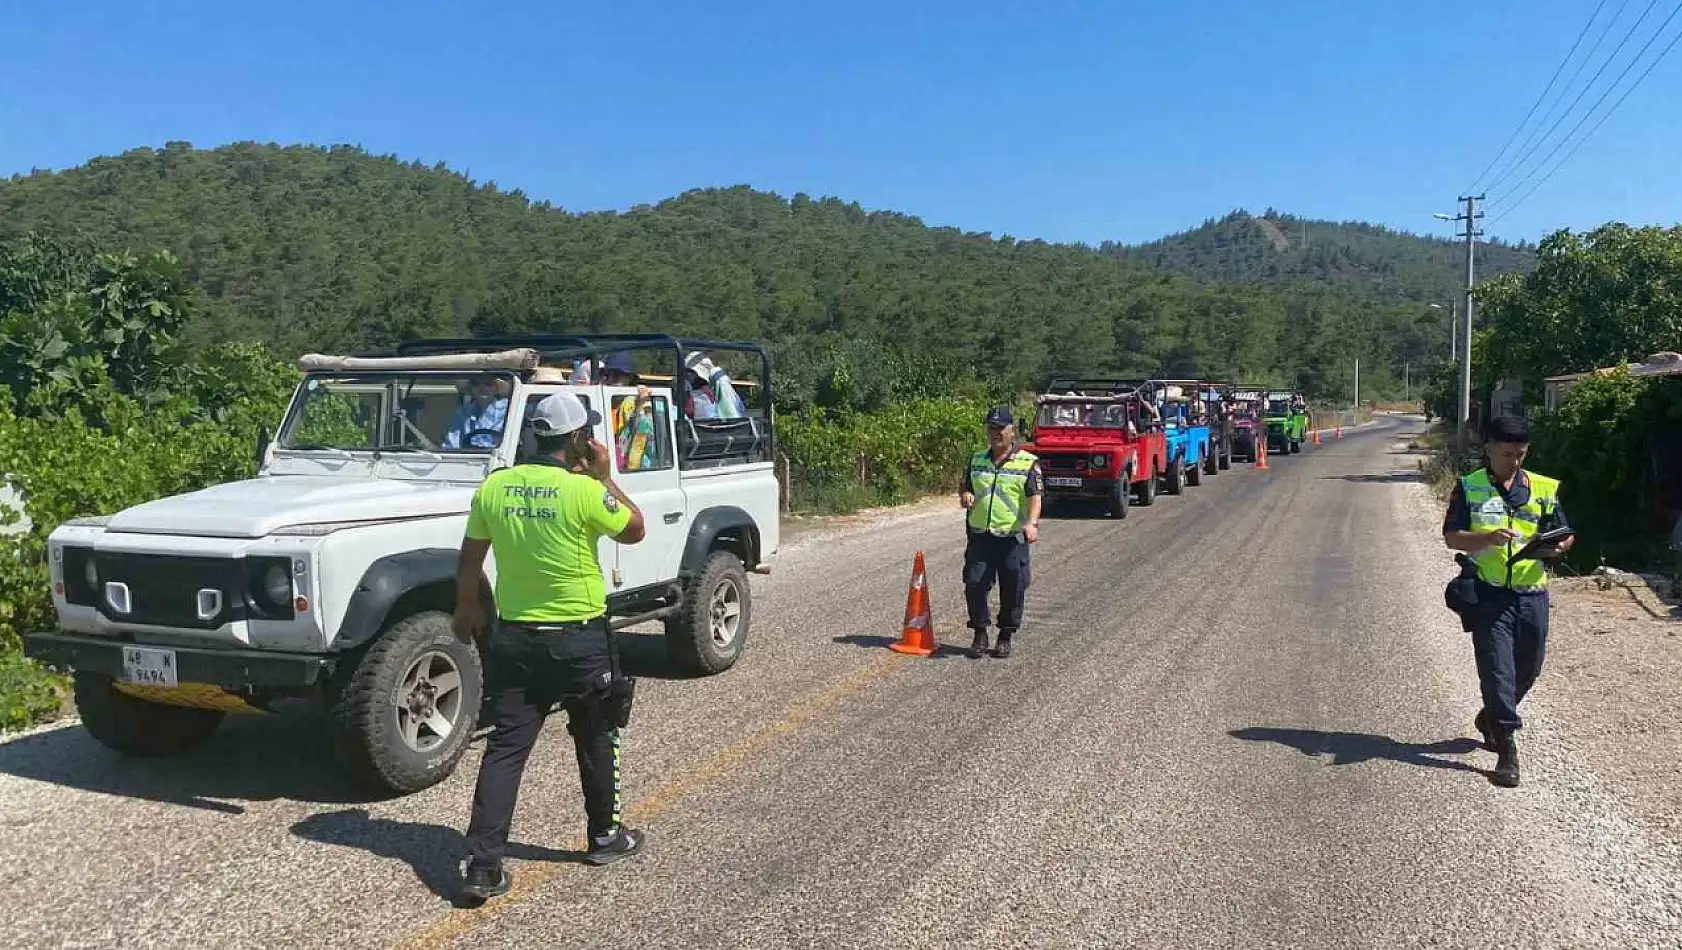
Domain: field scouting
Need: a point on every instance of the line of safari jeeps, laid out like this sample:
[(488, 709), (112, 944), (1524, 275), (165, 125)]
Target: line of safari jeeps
[(328, 579), (1119, 442)]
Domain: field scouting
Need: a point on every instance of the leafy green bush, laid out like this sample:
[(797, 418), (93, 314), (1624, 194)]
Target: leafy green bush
[(845, 460), (28, 693), (1600, 442)]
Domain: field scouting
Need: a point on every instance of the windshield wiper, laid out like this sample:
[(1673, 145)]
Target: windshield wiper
[(317, 447), (434, 456)]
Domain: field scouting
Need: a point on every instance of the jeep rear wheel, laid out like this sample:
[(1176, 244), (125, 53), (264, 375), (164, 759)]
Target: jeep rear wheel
[(406, 712), (1211, 460), (1147, 488), (138, 727), (708, 634), (1193, 473), (1176, 479)]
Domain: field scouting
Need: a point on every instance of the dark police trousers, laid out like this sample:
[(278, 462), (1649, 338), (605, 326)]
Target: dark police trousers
[(986, 558), (1509, 638), (534, 667)]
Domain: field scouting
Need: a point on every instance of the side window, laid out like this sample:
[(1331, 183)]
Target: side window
[(528, 441), (642, 441)]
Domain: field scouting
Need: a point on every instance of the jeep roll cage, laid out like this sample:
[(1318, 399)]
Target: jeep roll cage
[(703, 442)]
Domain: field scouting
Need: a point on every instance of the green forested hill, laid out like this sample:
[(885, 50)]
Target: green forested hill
[(1363, 261), (333, 248)]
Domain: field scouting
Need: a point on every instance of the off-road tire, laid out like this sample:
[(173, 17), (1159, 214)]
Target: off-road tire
[(1226, 457), (1118, 497), (689, 632), (1147, 488), (1194, 471), (135, 726), (1176, 480), (1212, 460), (365, 722)]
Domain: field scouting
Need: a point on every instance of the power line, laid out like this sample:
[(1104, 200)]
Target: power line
[(1659, 32), (1545, 90), (1531, 142), (1607, 115), (1623, 42)]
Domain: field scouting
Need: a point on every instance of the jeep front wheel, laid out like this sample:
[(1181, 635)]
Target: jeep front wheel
[(405, 714), (1118, 496), (707, 634), (138, 727)]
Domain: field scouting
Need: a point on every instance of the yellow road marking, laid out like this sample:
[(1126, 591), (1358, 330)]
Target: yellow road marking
[(459, 922)]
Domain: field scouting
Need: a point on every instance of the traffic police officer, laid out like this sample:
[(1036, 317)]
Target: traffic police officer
[(1002, 491), (1492, 514), (551, 643)]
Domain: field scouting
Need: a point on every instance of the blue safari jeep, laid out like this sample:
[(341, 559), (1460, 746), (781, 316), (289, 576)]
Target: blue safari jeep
[(1182, 419)]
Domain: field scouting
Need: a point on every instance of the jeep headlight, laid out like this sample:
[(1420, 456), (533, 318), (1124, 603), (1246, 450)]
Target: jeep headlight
[(269, 587), (1099, 460), (277, 584)]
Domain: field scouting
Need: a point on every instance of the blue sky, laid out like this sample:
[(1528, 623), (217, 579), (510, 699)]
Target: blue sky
[(1066, 121)]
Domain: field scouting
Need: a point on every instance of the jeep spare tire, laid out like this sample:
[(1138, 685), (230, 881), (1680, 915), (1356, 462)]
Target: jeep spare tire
[(135, 726), (708, 633), (405, 713)]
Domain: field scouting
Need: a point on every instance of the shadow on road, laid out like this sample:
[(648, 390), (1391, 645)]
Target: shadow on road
[(1353, 748), (646, 655), (1387, 478), (868, 641), (434, 852), (247, 759)]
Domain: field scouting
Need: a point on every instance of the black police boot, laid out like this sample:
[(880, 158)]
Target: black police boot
[(627, 842), (1003, 649), (978, 646), (1506, 767), (1481, 721), (484, 882)]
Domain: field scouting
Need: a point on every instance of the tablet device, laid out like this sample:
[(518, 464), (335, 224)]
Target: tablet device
[(1541, 540)]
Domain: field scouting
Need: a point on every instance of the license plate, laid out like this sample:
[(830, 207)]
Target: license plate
[(144, 667), (1063, 482)]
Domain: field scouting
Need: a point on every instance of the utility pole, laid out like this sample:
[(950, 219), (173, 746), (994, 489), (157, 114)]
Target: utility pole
[(1471, 234), (1407, 386), (1357, 386)]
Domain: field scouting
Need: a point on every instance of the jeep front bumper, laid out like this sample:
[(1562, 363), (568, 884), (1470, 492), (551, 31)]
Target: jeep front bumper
[(229, 669)]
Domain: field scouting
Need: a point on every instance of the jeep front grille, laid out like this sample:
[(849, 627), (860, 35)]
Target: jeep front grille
[(164, 590)]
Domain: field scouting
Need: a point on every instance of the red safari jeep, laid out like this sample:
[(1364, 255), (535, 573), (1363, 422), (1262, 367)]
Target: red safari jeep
[(1093, 445)]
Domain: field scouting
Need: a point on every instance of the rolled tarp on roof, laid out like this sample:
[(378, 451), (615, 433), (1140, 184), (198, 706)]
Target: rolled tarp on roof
[(519, 359)]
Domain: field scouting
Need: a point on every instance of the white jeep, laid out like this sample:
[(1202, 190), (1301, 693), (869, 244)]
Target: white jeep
[(331, 575)]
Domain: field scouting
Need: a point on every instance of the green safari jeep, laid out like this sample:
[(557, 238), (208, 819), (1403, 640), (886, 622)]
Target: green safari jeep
[(1287, 422)]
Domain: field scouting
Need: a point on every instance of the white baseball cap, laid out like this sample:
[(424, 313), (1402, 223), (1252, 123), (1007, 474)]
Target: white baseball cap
[(561, 414)]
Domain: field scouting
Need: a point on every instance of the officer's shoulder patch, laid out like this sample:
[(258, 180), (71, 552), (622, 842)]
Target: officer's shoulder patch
[(609, 502)]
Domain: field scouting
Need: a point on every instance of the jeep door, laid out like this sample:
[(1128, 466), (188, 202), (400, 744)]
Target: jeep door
[(645, 465)]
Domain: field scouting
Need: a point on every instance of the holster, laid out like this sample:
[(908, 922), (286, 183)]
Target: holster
[(622, 689), (1461, 594)]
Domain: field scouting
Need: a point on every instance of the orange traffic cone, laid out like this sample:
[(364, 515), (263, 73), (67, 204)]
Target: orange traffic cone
[(1340, 430), (1316, 435), (1261, 455), (917, 634)]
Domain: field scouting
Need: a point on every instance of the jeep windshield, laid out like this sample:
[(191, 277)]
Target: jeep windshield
[(1105, 415), (1278, 407), (450, 412)]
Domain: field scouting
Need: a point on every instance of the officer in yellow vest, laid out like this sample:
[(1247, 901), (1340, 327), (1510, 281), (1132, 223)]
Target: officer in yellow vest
[(551, 641), (1002, 490), (1492, 514)]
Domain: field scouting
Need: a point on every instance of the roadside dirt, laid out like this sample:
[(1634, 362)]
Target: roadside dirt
[(1612, 680)]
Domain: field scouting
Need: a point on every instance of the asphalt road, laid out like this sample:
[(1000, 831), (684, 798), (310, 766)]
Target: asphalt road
[(1240, 718)]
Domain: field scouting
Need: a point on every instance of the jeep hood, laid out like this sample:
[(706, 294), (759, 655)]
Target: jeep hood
[(256, 507)]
